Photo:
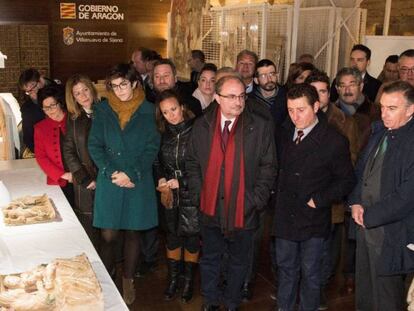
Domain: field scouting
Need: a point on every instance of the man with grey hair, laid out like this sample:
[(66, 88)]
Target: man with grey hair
[(354, 103), (231, 166), (361, 110), (383, 204), (246, 66)]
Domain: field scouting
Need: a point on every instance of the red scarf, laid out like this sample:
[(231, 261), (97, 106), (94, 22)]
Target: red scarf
[(234, 187)]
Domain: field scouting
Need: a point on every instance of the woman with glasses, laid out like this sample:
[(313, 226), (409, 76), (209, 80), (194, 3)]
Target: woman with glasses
[(175, 122), (48, 137), (81, 97), (206, 82), (123, 143)]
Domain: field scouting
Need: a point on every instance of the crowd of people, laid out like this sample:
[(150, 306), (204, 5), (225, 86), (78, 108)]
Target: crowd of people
[(207, 160)]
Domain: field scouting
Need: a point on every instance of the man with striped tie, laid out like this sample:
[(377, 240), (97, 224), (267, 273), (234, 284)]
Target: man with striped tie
[(315, 171), (383, 204)]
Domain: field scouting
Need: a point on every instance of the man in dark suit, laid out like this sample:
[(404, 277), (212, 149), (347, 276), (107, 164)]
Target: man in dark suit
[(360, 58), (315, 171), (383, 204), (231, 166)]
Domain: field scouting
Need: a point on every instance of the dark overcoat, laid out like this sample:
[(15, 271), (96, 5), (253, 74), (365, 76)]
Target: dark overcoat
[(394, 210), (320, 168), (259, 159)]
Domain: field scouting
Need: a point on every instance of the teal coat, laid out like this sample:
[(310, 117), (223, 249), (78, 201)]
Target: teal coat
[(132, 151)]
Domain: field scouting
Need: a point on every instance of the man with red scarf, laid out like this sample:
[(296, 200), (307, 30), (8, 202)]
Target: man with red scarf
[(231, 168)]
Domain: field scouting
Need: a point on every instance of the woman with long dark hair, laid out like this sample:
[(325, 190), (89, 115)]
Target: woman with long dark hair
[(175, 122)]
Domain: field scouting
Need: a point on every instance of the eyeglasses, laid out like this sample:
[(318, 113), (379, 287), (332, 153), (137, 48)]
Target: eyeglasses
[(122, 86), (405, 70), (51, 107), (35, 85), (351, 85), (267, 75), (233, 98)]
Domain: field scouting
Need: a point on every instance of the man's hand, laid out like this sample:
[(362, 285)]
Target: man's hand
[(358, 214)]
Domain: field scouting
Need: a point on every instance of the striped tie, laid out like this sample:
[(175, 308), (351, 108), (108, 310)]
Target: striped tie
[(299, 137)]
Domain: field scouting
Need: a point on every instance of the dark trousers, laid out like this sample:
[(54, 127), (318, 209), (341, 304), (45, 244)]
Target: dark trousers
[(350, 248), (215, 245), (331, 253), (149, 242), (299, 260), (254, 250), (375, 292)]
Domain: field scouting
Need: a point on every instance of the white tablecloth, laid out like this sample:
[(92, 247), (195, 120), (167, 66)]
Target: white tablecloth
[(24, 247)]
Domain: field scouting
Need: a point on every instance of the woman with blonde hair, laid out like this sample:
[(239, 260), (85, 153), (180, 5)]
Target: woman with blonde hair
[(81, 96)]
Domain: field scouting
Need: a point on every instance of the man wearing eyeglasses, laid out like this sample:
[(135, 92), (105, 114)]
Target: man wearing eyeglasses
[(268, 92), (30, 82), (360, 58), (245, 66), (406, 66), (231, 166)]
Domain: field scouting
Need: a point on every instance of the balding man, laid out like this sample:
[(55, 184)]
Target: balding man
[(231, 167), (383, 204)]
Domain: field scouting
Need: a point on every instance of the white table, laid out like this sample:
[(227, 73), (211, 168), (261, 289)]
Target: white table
[(24, 247)]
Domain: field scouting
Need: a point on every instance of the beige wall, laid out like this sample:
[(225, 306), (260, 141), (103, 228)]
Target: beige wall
[(401, 21)]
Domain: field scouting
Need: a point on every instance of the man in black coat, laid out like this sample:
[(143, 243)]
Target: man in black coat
[(315, 171), (360, 58), (268, 92), (383, 204), (30, 82), (231, 165), (165, 78)]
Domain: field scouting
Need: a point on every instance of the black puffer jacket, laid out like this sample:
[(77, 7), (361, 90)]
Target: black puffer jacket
[(183, 218)]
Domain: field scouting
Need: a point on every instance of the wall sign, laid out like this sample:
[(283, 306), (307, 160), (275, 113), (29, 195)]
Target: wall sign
[(90, 12), (70, 36)]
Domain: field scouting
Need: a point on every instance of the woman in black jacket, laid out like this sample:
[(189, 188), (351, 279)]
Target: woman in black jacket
[(81, 95), (175, 123)]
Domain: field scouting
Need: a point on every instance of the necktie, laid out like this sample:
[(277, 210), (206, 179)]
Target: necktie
[(382, 146), (225, 134), (299, 137)]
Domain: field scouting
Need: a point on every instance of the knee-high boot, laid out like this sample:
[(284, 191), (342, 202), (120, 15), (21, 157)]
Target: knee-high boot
[(173, 263), (190, 263)]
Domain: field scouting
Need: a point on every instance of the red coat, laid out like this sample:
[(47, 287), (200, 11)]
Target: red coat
[(47, 149)]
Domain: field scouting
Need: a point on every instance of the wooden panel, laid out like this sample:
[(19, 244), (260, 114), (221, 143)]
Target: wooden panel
[(144, 24)]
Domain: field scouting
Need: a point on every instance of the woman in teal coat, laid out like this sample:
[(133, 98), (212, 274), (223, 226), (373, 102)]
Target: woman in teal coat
[(123, 142)]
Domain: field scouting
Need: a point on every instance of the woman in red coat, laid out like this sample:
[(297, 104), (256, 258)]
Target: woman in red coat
[(48, 135)]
